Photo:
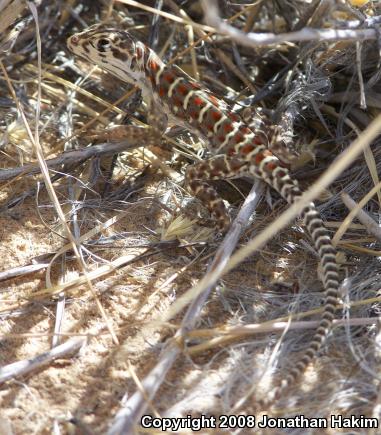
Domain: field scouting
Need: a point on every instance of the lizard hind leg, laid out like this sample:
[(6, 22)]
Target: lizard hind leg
[(216, 168)]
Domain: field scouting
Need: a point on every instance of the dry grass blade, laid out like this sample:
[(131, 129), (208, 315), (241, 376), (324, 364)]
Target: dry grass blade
[(171, 17), (216, 338), (45, 174)]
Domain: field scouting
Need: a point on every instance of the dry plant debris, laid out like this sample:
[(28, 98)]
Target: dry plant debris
[(102, 245)]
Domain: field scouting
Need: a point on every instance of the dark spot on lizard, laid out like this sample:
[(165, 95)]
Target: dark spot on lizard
[(119, 54)]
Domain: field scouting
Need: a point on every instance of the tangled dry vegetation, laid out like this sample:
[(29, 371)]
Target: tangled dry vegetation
[(99, 250)]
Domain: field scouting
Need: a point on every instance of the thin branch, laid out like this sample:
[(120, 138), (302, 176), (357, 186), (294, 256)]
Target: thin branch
[(252, 39), (356, 209), (23, 367), (78, 156), (126, 419)]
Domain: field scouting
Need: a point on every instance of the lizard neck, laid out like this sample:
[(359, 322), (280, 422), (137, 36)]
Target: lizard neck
[(137, 68)]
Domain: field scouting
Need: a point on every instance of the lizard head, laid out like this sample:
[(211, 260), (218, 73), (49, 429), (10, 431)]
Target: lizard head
[(116, 51)]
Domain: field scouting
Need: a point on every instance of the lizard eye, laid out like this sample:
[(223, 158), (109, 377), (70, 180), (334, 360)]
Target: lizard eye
[(104, 43), (74, 40)]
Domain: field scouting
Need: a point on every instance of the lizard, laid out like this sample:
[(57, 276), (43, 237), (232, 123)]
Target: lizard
[(236, 149)]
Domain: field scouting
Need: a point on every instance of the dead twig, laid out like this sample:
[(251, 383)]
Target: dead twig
[(24, 367), (127, 418), (79, 156), (356, 208), (252, 39)]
